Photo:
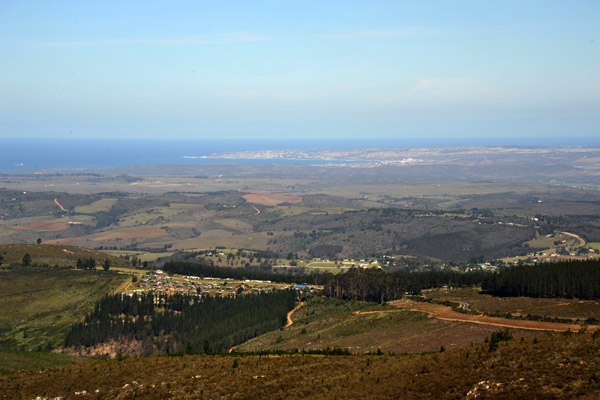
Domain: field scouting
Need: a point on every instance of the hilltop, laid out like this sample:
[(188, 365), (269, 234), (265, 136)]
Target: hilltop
[(52, 255)]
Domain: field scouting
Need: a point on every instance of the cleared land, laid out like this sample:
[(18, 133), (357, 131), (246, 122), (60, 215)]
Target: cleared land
[(445, 313), (480, 302), (47, 226), (366, 327), (270, 199)]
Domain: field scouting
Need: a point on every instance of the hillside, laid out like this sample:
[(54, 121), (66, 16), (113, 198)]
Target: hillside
[(40, 304), (61, 255), (367, 327), (551, 367)]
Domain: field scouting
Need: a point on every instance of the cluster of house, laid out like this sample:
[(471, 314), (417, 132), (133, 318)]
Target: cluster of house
[(161, 283)]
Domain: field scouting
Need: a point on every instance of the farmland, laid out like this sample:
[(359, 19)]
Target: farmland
[(307, 211)]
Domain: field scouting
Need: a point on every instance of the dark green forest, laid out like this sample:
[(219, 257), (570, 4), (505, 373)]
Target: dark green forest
[(570, 279), (379, 286), (181, 323)]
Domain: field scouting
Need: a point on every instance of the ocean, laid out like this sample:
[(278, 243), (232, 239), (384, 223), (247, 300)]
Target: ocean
[(35, 154)]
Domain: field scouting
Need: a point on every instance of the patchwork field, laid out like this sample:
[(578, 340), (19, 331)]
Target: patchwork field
[(270, 199), (46, 226)]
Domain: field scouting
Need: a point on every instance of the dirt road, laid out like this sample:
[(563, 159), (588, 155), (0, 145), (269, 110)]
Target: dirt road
[(446, 314), (578, 238), (61, 207), (289, 315)]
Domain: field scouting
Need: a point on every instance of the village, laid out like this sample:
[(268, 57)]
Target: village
[(160, 282)]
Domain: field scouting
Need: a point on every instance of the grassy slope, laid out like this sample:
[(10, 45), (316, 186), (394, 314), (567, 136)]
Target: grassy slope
[(61, 255), (40, 304), (367, 327), (13, 361), (557, 367)]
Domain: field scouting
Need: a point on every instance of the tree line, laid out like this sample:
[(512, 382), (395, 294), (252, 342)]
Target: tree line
[(376, 285), (181, 323), (570, 279)]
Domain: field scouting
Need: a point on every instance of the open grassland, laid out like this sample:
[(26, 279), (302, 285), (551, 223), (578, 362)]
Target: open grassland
[(61, 255), (366, 327), (554, 367), (140, 255), (550, 307), (104, 204), (552, 241), (13, 361), (40, 304), (594, 245)]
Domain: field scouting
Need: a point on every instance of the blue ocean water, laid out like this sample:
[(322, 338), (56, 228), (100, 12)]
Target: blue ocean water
[(35, 154)]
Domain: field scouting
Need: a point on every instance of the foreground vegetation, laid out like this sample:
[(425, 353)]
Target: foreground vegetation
[(553, 367), (13, 361)]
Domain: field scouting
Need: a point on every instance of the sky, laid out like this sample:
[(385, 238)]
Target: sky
[(299, 69)]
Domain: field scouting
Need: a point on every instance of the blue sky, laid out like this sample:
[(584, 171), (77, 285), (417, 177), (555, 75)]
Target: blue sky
[(300, 69)]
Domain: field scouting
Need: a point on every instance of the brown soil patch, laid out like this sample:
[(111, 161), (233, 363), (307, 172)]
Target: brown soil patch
[(269, 199), (48, 226), (446, 314)]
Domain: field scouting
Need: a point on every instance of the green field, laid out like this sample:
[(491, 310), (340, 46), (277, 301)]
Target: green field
[(97, 206), (13, 361), (594, 245), (61, 255), (40, 304)]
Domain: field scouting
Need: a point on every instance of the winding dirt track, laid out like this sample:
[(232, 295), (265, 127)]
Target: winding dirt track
[(578, 238), (446, 314), (289, 315), (61, 207)]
